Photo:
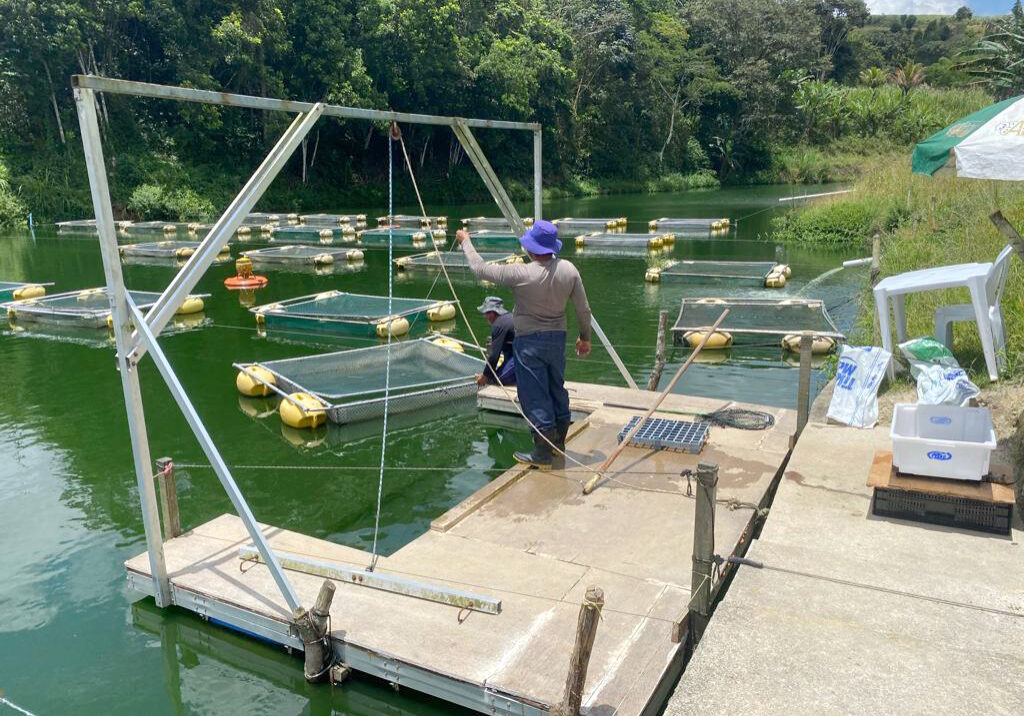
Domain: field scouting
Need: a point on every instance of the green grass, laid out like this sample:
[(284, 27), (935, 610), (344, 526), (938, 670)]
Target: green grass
[(925, 222)]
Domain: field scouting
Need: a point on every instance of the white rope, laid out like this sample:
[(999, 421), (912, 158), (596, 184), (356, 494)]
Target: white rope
[(387, 359)]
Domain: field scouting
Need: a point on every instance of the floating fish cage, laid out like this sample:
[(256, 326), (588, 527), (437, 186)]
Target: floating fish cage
[(454, 261), (354, 314), (572, 223), (758, 320), (259, 217), (333, 219), (176, 250), (350, 386), (401, 235), (426, 222), (497, 223), (768, 274), (650, 241), (306, 234), (15, 290), (666, 223), (151, 227), (308, 255), (493, 237), (87, 308), (85, 226)]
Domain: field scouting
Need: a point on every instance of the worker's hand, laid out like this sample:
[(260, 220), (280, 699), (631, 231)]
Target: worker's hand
[(582, 348), (460, 236), (481, 380)]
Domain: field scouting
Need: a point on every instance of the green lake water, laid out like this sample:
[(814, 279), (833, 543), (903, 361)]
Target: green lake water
[(71, 638)]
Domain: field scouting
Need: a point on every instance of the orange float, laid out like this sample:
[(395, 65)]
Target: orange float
[(245, 278)]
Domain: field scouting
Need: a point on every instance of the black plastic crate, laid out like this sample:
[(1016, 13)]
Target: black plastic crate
[(991, 517)]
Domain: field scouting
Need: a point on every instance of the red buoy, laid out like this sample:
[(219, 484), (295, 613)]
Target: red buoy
[(245, 278)]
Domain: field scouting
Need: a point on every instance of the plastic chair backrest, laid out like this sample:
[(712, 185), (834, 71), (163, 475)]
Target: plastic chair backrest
[(996, 280)]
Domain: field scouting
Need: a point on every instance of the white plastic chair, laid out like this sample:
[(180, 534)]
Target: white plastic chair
[(985, 283)]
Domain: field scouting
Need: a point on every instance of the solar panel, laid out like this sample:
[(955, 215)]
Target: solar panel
[(664, 434)]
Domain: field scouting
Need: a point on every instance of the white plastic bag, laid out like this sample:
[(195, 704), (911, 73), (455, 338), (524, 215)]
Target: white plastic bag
[(855, 398), (940, 379)]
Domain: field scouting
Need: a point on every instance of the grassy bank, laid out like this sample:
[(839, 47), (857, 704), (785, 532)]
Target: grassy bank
[(924, 222)]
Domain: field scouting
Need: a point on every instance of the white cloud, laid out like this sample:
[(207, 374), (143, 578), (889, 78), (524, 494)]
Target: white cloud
[(914, 7)]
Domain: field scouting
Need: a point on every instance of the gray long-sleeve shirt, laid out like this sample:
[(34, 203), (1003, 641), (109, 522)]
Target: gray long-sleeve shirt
[(541, 288)]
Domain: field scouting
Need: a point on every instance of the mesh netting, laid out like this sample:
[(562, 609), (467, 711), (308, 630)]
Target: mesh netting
[(498, 223), (311, 232), (493, 235), (757, 316), (412, 220), (350, 306), (145, 227), (669, 223), (416, 366), (271, 217), (623, 239), (755, 271), (452, 260), (598, 223), (400, 235), (295, 254), (331, 219), (89, 307)]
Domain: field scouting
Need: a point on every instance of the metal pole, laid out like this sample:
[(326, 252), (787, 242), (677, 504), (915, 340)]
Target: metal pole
[(483, 167), (186, 279), (538, 175), (703, 551), (85, 101), (611, 352), (214, 456), (803, 393)]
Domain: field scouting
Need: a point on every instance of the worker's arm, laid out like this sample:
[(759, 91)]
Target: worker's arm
[(500, 274), (583, 315)]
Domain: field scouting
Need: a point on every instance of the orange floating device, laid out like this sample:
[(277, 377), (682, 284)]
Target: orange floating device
[(245, 278)]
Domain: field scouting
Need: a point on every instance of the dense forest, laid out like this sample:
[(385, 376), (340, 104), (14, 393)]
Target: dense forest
[(633, 94)]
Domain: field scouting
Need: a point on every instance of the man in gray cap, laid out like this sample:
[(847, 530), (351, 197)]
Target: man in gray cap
[(503, 332), (542, 287)]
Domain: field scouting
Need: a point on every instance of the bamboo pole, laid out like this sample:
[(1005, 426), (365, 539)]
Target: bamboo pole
[(592, 483), (586, 632), (659, 352)]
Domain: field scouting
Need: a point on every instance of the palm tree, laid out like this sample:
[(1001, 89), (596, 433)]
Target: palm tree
[(998, 59), (873, 77), (909, 76)]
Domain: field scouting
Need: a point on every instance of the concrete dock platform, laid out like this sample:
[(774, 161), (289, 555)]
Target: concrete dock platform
[(853, 613), (530, 539)]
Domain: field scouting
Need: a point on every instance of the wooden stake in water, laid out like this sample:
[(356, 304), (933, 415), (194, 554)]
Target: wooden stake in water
[(659, 352), (592, 482)]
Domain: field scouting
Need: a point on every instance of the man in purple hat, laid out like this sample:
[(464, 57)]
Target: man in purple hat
[(542, 287)]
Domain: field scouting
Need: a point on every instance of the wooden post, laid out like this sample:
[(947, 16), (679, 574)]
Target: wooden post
[(168, 497), (312, 629), (876, 257), (586, 631), (703, 551), (659, 352), (803, 391), (1007, 230)]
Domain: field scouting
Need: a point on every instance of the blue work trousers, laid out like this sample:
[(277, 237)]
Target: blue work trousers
[(540, 378)]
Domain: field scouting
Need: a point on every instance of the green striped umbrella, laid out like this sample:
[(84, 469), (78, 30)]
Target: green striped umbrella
[(988, 144)]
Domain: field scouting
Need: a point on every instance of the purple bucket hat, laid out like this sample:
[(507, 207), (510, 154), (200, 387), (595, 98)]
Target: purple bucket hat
[(541, 238)]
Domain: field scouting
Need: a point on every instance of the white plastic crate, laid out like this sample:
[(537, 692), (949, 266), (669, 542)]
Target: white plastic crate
[(942, 440)]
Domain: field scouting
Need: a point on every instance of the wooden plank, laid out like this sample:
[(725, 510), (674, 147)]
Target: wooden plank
[(883, 474)]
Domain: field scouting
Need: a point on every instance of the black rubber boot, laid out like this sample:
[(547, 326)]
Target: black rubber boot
[(558, 455), (540, 457)]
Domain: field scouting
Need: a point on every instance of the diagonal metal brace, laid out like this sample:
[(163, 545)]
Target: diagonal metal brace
[(225, 227), (483, 167)]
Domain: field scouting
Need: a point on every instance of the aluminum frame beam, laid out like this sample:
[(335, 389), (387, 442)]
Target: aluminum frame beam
[(376, 580), (483, 167), (189, 94), (538, 175), (214, 456), (85, 102)]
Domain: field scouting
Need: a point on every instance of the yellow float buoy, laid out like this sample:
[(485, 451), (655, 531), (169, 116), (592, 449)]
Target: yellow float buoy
[(354, 255), (325, 234), (449, 343), (347, 229), (30, 291), (402, 262), (581, 241), (442, 311), (668, 238), (653, 275), (419, 236), (170, 229), (89, 293), (398, 326), (775, 280), (516, 260), (820, 345), (243, 230), (726, 223), (784, 269), (652, 225), (711, 301), (302, 410), (655, 243), (255, 381), (717, 341), (184, 252), (323, 259), (192, 304)]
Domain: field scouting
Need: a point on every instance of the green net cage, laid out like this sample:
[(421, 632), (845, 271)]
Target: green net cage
[(302, 254), (453, 261), (496, 223), (755, 319), (590, 224), (312, 234), (688, 225), (333, 219), (178, 250), (337, 312), (352, 383), (606, 238), (156, 227), (736, 273), (87, 308), (407, 220)]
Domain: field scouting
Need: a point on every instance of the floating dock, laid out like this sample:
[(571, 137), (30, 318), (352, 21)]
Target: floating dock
[(854, 613), (529, 539)]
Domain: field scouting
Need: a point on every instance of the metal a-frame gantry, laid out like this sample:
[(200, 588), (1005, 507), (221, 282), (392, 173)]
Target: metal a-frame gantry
[(136, 334)]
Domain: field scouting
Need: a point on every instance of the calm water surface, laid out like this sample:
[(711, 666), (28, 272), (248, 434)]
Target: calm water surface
[(71, 639)]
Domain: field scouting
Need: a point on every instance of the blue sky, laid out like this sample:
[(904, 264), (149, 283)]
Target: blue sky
[(938, 7)]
